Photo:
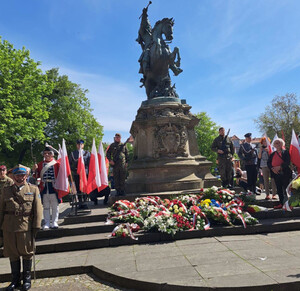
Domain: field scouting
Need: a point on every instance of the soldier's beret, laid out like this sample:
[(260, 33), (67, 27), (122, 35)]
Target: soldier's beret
[(248, 134), (118, 134), (2, 167), (20, 170), (81, 141)]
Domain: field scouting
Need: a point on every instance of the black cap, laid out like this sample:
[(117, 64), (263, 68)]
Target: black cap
[(48, 149), (80, 141), (248, 134)]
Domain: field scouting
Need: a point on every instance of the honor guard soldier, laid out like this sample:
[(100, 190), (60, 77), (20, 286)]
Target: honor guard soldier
[(248, 154), (73, 160), (20, 220), (223, 146), (117, 154), (47, 171)]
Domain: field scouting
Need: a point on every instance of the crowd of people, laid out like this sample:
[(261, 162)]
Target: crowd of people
[(24, 204), (272, 169)]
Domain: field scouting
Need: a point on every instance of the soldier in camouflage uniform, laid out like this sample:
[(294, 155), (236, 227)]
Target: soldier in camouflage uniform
[(20, 219), (225, 151), (117, 154)]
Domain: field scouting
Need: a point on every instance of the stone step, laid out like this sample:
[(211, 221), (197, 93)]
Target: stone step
[(277, 213), (94, 215), (75, 229), (100, 240)]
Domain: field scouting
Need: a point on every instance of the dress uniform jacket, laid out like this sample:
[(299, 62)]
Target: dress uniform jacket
[(20, 212), (6, 181), (20, 208)]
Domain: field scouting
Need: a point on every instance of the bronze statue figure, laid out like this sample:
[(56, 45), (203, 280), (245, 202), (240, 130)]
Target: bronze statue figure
[(157, 57)]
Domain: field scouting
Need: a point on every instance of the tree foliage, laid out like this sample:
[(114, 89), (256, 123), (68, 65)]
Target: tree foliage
[(37, 107), (282, 115), (23, 110), (206, 132), (22, 85), (70, 114)]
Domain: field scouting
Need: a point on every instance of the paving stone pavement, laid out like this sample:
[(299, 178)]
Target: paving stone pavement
[(83, 282), (262, 259)]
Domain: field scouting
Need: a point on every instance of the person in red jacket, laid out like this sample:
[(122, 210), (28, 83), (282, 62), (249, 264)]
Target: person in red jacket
[(47, 171)]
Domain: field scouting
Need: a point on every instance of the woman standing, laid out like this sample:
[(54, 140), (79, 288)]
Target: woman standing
[(263, 155), (279, 164)]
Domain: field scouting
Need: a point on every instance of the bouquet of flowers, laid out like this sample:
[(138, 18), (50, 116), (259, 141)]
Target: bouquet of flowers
[(184, 212), (294, 189)]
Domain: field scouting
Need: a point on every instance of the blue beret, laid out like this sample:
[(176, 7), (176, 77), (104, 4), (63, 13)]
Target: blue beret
[(80, 141), (19, 170)]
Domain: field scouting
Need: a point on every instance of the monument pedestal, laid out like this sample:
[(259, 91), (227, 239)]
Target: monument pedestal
[(166, 155)]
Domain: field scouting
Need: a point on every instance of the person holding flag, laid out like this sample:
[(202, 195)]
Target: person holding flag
[(47, 170), (263, 154), (104, 189), (74, 158)]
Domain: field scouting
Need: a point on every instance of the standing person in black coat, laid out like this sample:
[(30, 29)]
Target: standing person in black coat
[(248, 154), (279, 164)]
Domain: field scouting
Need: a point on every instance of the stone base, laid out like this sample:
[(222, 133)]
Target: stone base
[(166, 154), (169, 175)]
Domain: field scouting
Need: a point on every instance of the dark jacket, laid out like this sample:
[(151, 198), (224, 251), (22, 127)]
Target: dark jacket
[(285, 166), (220, 144)]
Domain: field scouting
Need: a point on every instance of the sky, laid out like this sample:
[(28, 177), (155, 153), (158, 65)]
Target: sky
[(236, 55)]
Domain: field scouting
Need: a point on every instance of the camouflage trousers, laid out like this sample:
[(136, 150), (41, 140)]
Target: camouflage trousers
[(119, 172), (225, 170)]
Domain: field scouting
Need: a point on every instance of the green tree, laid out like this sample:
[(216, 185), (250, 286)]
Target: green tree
[(70, 114), (23, 110), (282, 115), (206, 132)]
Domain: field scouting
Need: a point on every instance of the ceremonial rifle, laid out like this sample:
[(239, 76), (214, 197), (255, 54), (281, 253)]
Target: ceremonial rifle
[(223, 145)]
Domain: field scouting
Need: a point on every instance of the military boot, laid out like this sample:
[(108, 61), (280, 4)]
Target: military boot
[(16, 275), (26, 274)]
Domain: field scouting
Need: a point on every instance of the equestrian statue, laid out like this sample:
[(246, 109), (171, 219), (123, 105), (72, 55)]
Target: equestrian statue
[(157, 57)]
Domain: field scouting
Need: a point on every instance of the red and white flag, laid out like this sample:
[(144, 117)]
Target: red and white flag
[(81, 172), (94, 180), (103, 170), (295, 151), (268, 143), (62, 182)]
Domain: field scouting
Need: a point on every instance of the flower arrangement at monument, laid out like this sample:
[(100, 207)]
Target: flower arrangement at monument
[(294, 200), (183, 213)]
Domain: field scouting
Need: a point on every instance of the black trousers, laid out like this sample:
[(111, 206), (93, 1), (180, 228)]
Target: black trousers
[(251, 177), (282, 181)]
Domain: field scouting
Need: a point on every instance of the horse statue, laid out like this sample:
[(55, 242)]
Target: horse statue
[(157, 57)]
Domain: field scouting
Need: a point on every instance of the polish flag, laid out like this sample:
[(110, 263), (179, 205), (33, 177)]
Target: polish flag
[(268, 143), (81, 172), (62, 182), (94, 180), (295, 151), (272, 144), (102, 166)]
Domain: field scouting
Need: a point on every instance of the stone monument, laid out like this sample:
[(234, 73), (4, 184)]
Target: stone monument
[(166, 155)]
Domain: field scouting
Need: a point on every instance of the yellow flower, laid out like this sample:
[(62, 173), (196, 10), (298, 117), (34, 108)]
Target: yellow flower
[(175, 206), (170, 208), (181, 209), (176, 211), (296, 184), (180, 214)]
